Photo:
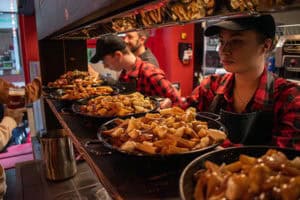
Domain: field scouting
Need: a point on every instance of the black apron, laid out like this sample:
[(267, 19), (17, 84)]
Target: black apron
[(1, 111), (253, 128)]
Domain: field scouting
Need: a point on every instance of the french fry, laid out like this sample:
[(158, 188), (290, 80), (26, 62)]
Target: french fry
[(164, 143), (247, 160), (234, 167), (181, 142), (117, 132), (216, 134), (134, 133), (174, 149), (180, 131), (128, 146), (145, 148), (199, 189)]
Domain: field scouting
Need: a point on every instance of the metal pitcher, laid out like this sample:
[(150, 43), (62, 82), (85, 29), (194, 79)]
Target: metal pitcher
[(58, 155)]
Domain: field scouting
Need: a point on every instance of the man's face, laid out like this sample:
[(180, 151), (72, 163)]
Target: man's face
[(113, 62), (239, 50), (133, 41)]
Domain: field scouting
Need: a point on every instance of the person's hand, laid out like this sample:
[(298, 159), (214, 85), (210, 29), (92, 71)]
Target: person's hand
[(33, 90), (166, 103), (16, 114)]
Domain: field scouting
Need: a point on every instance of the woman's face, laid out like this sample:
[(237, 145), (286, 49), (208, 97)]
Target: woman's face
[(240, 51)]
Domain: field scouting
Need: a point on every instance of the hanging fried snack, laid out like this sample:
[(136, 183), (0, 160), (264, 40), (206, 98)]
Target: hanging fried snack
[(191, 10), (124, 23)]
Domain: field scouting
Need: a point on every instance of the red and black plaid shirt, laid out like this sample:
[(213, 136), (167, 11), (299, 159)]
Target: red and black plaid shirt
[(286, 131), (150, 81)]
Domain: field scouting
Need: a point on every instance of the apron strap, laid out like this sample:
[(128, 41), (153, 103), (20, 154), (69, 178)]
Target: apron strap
[(217, 104), (269, 105)]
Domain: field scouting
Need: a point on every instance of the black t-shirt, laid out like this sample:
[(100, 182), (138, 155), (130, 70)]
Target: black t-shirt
[(149, 57)]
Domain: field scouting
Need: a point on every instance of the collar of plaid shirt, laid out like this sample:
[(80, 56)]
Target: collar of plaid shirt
[(261, 94), (133, 73)]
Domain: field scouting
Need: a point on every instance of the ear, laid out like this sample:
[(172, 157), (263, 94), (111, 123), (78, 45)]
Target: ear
[(143, 39), (118, 54), (268, 45)]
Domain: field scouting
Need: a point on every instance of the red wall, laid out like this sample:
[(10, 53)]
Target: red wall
[(91, 43), (29, 43), (164, 44)]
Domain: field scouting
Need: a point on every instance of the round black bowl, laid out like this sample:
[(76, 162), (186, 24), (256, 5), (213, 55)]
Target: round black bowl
[(76, 109), (111, 124), (187, 183)]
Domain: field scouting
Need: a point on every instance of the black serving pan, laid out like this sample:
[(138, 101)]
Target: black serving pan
[(76, 109), (50, 89), (58, 93), (228, 155), (111, 124)]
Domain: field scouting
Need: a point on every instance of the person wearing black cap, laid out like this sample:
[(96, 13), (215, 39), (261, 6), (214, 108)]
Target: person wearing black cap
[(148, 79), (257, 107)]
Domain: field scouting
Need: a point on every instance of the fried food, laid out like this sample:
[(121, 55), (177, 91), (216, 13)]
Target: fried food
[(272, 176), (191, 10), (124, 23), (118, 105), (151, 17), (79, 92), (242, 5), (74, 78), (171, 131)]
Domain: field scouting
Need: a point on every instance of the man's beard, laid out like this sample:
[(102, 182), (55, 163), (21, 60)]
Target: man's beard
[(135, 47)]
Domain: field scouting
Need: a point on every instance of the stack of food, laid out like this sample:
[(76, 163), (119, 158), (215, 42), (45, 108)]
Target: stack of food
[(242, 5), (124, 23), (271, 176), (80, 92), (192, 9), (118, 105), (73, 79), (153, 16), (171, 131)]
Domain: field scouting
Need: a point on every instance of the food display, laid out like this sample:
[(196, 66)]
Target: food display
[(194, 9), (80, 92), (242, 5), (253, 5), (124, 23), (118, 105), (171, 131), (74, 78), (151, 17), (271, 176)]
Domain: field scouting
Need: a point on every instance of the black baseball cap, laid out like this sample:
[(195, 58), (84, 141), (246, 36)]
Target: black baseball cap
[(263, 24), (107, 45)]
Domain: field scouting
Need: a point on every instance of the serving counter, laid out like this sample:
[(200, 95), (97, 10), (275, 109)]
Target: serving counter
[(124, 176)]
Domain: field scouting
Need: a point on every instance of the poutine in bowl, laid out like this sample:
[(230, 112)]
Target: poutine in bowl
[(247, 172), (172, 131)]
